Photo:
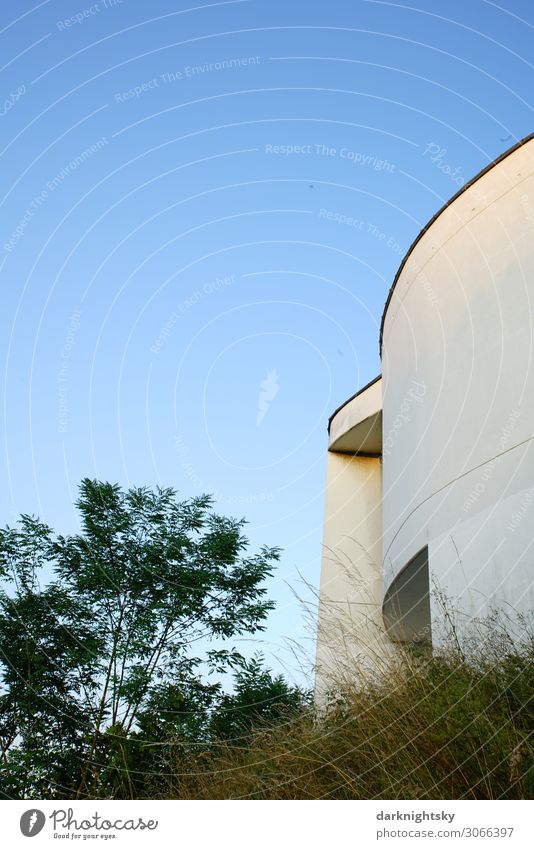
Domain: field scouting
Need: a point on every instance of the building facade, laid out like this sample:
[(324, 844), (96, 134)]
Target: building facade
[(430, 469)]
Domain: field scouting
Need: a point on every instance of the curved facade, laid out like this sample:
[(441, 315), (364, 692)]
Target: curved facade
[(455, 450), (350, 631)]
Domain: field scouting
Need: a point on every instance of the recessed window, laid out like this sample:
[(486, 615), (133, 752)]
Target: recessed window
[(406, 608)]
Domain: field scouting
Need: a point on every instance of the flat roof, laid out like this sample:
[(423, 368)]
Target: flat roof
[(352, 397), (356, 427)]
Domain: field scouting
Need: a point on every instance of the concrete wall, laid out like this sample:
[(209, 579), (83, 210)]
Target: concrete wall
[(448, 508), (350, 632), (458, 399)]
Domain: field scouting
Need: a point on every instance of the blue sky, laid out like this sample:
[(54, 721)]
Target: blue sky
[(203, 210)]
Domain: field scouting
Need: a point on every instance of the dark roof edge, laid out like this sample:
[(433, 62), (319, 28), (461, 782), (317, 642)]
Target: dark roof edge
[(352, 397), (436, 216)]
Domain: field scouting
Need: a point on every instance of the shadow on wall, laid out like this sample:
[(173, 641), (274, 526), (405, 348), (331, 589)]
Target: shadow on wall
[(406, 607)]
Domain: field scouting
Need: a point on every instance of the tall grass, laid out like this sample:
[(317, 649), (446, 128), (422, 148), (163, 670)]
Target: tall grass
[(452, 724)]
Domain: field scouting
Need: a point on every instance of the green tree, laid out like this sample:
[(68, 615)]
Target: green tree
[(259, 699), (108, 651), (47, 680)]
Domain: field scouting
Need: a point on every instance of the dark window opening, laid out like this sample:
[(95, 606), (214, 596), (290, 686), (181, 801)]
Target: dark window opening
[(406, 607)]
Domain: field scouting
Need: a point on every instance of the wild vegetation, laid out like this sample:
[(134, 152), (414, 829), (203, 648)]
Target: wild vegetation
[(114, 640), (435, 727), (115, 643)]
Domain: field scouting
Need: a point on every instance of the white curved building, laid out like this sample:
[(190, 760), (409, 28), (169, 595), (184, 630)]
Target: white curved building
[(430, 479)]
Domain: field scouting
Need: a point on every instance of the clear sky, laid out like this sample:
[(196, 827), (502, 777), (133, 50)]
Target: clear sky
[(204, 207)]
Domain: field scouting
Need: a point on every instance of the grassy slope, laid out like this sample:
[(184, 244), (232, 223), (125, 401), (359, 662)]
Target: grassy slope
[(435, 727)]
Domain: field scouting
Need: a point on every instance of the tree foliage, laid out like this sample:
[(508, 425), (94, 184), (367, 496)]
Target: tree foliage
[(116, 638), (259, 700)]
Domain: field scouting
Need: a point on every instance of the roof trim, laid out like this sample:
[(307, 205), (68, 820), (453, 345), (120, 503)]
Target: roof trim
[(435, 217), (352, 397)]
